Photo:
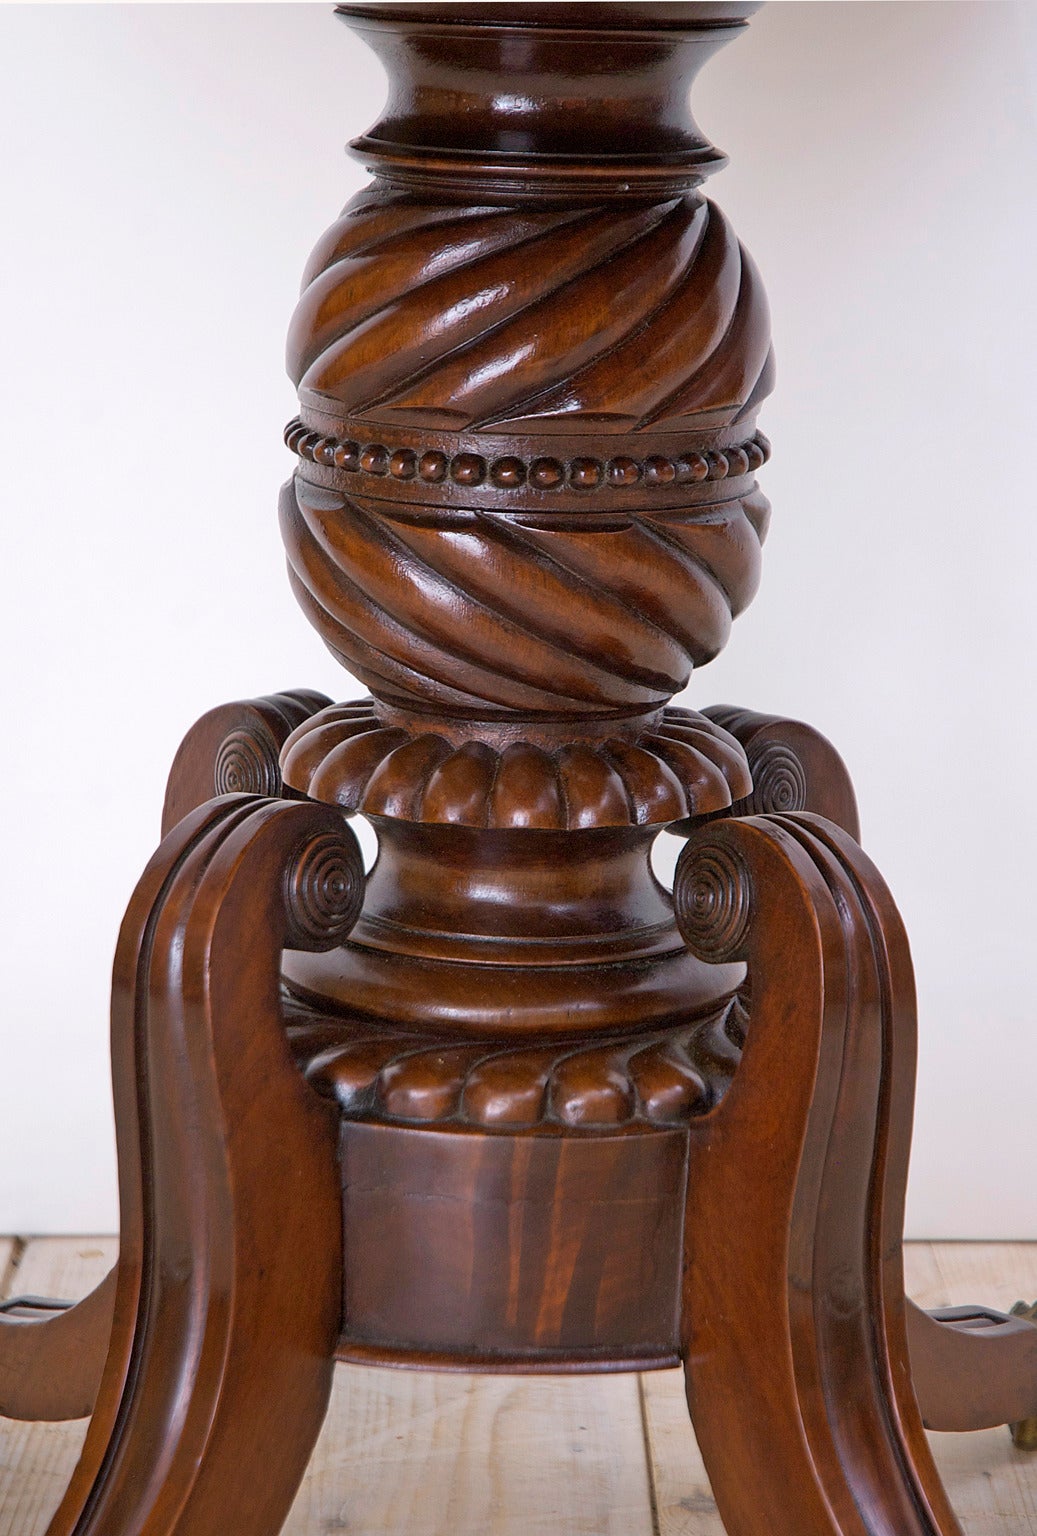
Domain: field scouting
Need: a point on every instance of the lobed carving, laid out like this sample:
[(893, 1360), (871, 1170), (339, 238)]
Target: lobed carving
[(350, 756), (532, 320), (664, 1077)]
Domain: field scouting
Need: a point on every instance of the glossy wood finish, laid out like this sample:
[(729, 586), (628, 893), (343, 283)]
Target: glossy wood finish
[(235, 750), (580, 1269), (224, 1228), (506, 1103), (793, 768), (529, 364), (795, 1340)]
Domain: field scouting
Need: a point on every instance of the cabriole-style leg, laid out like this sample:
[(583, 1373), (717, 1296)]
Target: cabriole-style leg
[(972, 1367), (794, 1334), (52, 1358), (227, 1305)]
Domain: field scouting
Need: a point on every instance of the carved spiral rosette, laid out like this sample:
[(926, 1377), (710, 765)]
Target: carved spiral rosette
[(324, 890), (712, 901), (779, 782), (247, 764), (349, 756)]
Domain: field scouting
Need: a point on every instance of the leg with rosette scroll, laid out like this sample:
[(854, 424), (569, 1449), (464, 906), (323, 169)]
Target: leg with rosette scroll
[(794, 1331), (227, 1293), (973, 1367), (52, 1355)]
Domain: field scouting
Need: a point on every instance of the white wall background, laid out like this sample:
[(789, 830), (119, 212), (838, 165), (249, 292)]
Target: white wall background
[(164, 173)]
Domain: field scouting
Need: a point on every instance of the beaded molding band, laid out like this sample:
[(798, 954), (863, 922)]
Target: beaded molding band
[(510, 472)]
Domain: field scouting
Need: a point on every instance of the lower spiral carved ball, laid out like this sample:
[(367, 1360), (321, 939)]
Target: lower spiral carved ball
[(325, 891), (247, 764), (779, 781), (712, 901)]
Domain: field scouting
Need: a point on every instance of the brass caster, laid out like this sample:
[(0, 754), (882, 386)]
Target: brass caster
[(1024, 1431)]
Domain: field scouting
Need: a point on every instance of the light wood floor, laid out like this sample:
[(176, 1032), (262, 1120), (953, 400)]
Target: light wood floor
[(422, 1455)]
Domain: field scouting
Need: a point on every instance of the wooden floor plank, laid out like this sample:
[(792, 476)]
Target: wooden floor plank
[(923, 1279), (430, 1453), (683, 1502), (992, 1486), (36, 1460), (998, 1273), (424, 1454), (63, 1266)]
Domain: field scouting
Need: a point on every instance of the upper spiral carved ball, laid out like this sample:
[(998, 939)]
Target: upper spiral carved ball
[(247, 764), (712, 900), (325, 891), (650, 317)]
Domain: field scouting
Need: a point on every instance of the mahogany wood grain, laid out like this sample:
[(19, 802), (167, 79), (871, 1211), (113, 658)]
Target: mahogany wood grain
[(529, 361), (580, 1266), (794, 1331), (227, 1300), (972, 1368), (506, 1103)]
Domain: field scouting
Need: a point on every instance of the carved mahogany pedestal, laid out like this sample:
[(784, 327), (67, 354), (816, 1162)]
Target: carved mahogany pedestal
[(505, 1103)]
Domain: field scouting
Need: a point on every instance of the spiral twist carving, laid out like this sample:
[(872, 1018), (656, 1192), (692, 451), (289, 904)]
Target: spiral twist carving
[(712, 900), (532, 320), (467, 376), (324, 891), (247, 764), (657, 1078), (466, 610)]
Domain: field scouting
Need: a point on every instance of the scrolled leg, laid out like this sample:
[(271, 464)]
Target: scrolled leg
[(794, 1332), (227, 1299), (794, 768), (234, 749), (972, 1369), (51, 1361)]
